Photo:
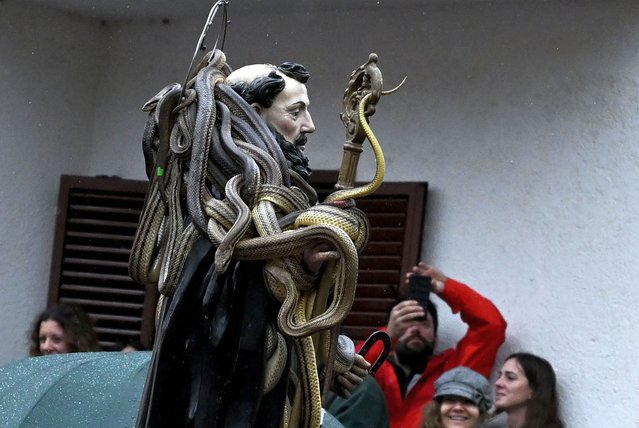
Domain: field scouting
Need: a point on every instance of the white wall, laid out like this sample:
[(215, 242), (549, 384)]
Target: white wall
[(522, 118), (48, 76)]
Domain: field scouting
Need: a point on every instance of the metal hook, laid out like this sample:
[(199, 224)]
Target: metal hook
[(377, 336), (200, 43)]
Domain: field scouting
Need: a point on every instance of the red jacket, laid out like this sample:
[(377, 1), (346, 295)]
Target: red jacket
[(476, 350)]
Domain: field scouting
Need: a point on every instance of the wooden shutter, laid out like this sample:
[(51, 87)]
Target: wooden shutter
[(96, 224), (396, 214)]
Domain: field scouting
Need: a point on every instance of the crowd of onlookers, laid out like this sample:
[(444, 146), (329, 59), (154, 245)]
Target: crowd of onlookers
[(414, 387), (451, 388)]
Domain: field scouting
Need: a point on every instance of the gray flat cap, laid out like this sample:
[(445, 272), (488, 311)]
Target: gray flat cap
[(466, 383)]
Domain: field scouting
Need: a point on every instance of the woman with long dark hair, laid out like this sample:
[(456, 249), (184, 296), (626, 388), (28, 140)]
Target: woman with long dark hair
[(62, 329), (526, 391)]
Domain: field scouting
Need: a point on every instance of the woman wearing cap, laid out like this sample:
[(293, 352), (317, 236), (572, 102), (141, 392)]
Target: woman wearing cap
[(462, 398), (526, 391)]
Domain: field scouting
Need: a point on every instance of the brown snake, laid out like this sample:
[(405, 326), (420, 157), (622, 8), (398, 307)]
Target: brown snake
[(241, 195)]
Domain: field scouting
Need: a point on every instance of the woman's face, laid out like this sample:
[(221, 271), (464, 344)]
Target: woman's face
[(52, 338), (458, 412), (512, 390)]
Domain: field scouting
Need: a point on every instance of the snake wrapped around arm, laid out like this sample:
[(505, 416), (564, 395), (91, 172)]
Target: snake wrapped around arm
[(216, 171)]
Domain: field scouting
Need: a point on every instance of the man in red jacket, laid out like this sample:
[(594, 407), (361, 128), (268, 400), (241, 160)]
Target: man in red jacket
[(408, 376)]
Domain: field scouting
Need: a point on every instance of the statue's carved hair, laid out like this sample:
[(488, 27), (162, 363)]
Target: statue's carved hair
[(294, 71), (264, 89)]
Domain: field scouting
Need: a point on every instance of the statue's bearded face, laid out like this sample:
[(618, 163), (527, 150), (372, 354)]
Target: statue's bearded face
[(294, 153), (289, 113), (289, 119)]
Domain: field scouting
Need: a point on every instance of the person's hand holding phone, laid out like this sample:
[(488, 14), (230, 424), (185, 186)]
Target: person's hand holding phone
[(438, 279), (402, 316)]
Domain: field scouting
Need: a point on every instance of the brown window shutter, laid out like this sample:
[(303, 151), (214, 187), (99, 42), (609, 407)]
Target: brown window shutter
[(96, 224), (396, 214)]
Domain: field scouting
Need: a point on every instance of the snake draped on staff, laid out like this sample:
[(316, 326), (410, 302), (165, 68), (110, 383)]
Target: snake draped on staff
[(255, 275)]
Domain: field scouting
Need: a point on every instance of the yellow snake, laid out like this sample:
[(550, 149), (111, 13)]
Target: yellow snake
[(247, 220)]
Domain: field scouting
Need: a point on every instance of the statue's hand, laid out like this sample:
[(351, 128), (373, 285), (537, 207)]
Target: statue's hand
[(316, 255)]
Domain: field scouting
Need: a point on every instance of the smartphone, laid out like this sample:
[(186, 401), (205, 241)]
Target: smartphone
[(419, 288)]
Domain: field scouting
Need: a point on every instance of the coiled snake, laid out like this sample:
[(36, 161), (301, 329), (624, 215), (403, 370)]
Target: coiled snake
[(242, 196)]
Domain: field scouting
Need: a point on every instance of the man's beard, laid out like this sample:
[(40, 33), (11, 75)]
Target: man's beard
[(295, 157), (416, 360)]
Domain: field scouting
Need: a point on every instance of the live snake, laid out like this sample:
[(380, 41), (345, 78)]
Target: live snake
[(241, 195)]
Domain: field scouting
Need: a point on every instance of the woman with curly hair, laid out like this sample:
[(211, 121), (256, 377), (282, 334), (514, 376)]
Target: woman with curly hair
[(526, 391), (62, 329), (462, 398)]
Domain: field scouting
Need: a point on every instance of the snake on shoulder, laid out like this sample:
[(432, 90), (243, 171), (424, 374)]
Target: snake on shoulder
[(215, 170)]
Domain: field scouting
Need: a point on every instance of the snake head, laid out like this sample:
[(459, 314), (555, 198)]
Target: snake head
[(364, 80)]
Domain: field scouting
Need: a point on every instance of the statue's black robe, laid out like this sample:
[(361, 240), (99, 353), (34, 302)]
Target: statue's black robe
[(208, 357)]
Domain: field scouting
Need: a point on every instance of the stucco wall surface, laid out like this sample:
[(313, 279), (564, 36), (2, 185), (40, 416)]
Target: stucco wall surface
[(48, 74), (523, 117)]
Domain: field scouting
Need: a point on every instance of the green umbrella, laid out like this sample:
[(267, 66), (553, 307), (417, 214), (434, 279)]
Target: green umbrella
[(79, 390), (88, 389)]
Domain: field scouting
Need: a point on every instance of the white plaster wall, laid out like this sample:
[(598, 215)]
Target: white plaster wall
[(523, 118), (48, 74)]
